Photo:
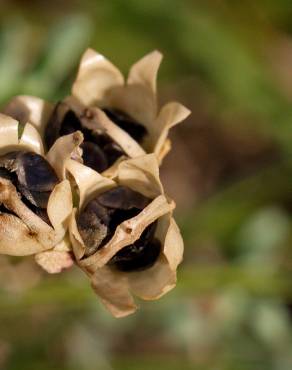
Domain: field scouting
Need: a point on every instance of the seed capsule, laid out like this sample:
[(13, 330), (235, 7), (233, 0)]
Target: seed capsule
[(99, 219)]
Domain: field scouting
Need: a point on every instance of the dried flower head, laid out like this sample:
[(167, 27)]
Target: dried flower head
[(118, 119), (34, 203), (123, 234), (131, 105), (98, 141)]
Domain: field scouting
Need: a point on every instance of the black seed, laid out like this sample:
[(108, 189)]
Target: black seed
[(137, 257), (57, 127), (52, 130), (70, 124), (37, 198), (33, 178), (127, 123), (141, 254), (93, 225), (113, 152), (35, 173), (123, 198), (5, 174), (94, 157)]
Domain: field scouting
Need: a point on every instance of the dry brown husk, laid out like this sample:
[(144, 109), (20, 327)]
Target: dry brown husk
[(115, 288)]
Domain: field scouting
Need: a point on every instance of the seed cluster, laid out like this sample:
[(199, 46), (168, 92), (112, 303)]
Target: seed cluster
[(103, 143)]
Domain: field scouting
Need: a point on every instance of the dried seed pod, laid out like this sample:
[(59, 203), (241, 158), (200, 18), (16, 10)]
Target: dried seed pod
[(123, 234), (35, 203), (131, 105), (117, 119)]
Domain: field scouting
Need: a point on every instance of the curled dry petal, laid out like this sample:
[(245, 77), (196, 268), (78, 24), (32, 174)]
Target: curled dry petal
[(113, 289), (59, 208), (9, 140), (30, 138), (138, 96), (141, 174), (170, 115), (144, 72), (65, 148), (56, 259), (16, 238), (34, 110), (8, 132), (161, 277), (89, 182), (96, 75)]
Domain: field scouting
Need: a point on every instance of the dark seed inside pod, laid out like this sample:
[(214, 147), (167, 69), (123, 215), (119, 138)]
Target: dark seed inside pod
[(34, 172), (94, 157), (98, 221), (33, 177), (140, 255), (99, 150), (70, 124), (127, 123)]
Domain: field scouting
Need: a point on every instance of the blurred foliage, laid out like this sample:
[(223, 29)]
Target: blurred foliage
[(230, 171)]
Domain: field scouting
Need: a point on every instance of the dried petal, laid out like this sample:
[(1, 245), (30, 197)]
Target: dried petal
[(88, 181), (112, 288), (65, 149), (29, 109), (161, 278), (170, 115), (141, 174), (8, 132), (16, 238), (144, 72), (96, 75), (138, 97), (31, 139), (54, 261)]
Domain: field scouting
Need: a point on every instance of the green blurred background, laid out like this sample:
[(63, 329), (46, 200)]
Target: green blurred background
[(230, 172)]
